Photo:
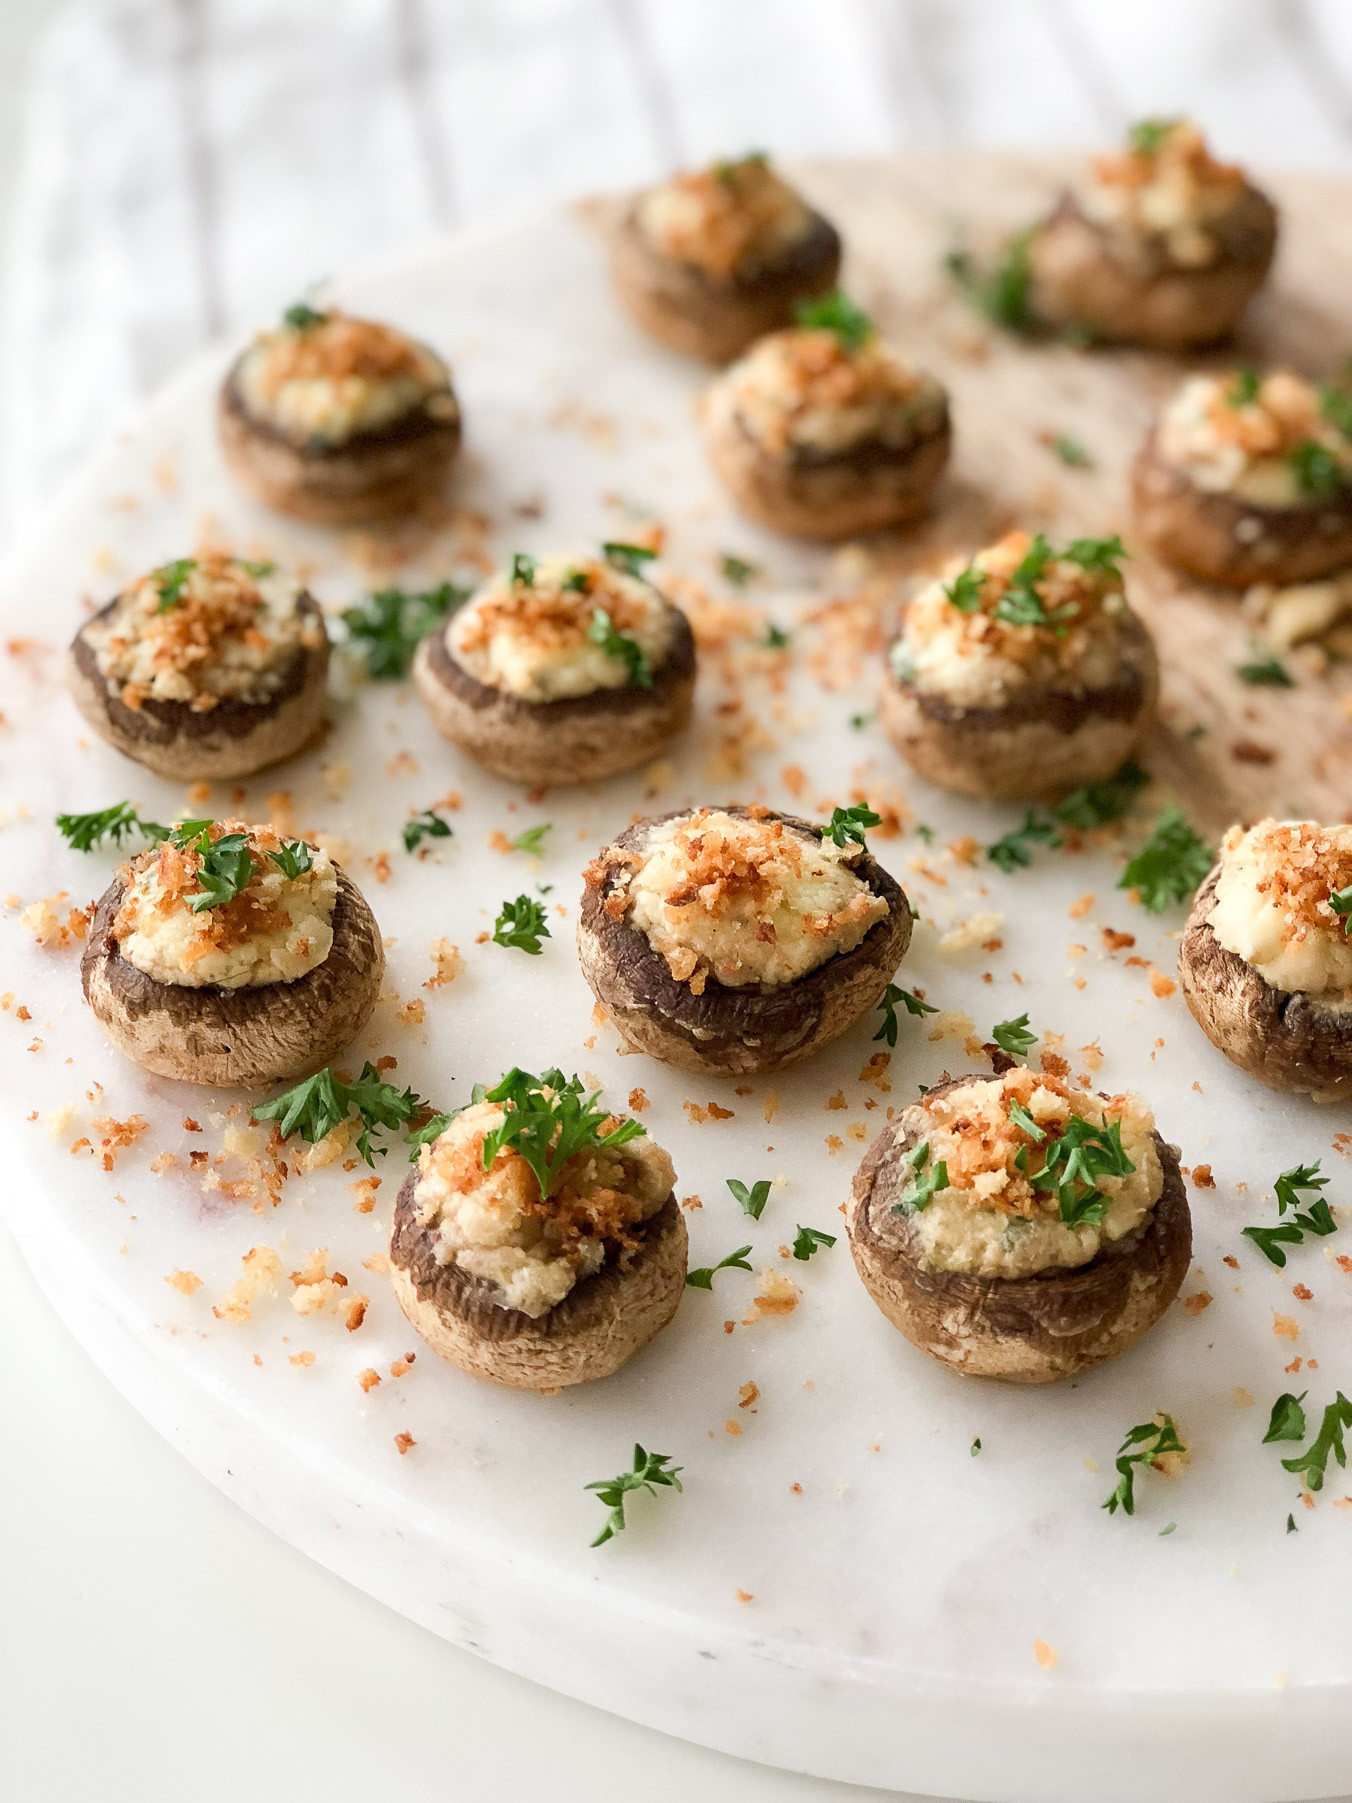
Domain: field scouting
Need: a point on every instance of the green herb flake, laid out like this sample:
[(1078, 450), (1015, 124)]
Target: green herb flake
[(1071, 452), (82, 832), (632, 560), (171, 579), (548, 1120), (703, 1279), (318, 1104), (1144, 1445), (1170, 866), (1014, 1037), (751, 1201), (427, 825), (1287, 1421), (1312, 1465), (532, 841), (737, 570), (923, 1186), (808, 1240), (628, 651), (651, 1471), (836, 313), (847, 825), (294, 859), (913, 1004), (521, 923), (385, 629), (1265, 672)]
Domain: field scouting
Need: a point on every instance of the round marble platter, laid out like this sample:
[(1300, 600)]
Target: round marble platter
[(847, 1586)]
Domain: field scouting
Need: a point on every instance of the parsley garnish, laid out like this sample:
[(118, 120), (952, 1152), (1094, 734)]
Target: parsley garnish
[(774, 637), (386, 628), (1287, 1420), (652, 1470), (809, 1240), (847, 825), (294, 859), (1312, 1464), (521, 923), (836, 313), (171, 579), (964, 592), (524, 567), (302, 317), (1147, 136), (1095, 804), (921, 1190), (628, 558), (1170, 865), (703, 1279), (1267, 672), (1000, 291), (1340, 900), (227, 863), (1071, 452), (614, 643), (533, 839), (888, 1006), (1012, 1036), (1142, 1446), (1316, 1219), (752, 1200), (1015, 850), (737, 570), (1317, 471), (427, 825), (548, 1120), (318, 1104), (1245, 388), (82, 832), (1072, 1162)]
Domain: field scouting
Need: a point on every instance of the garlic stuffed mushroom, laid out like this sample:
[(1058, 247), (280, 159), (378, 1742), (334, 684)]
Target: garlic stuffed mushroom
[(1265, 962), (1024, 674), (1016, 1228), (537, 1242), (714, 258), (825, 431), (338, 420), (735, 940), (562, 671), (209, 666), (227, 955), (1248, 478), (1158, 245)]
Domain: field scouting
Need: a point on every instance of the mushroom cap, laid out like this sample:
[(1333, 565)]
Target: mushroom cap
[(575, 740), (1024, 1330), (1081, 277), (599, 1325), (690, 311), (736, 1031), (828, 496), (1220, 538), (237, 1038), (378, 475), (1041, 744), (1286, 1039), (234, 738)]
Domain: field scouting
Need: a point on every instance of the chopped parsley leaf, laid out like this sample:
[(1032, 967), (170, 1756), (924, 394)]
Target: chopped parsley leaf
[(1096, 804), (318, 1104), (294, 859), (1266, 672), (1015, 850), (1317, 471), (737, 570), (629, 558), (82, 832), (427, 825), (849, 824), (1142, 1446), (171, 579), (1171, 864), (533, 839), (964, 592), (652, 1470), (1071, 452), (386, 628), (614, 643), (1287, 1421), (888, 1007), (809, 1240), (548, 1120), (921, 1189), (752, 1201), (521, 923), (703, 1279), (1013, 1036), (1312, 1464), (836, 313)]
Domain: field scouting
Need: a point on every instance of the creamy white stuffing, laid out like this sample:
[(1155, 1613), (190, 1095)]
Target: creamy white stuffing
[(494, 1225), (336, 376), (1165, 186), (734, 219), (1234, 436), (1273, 909)]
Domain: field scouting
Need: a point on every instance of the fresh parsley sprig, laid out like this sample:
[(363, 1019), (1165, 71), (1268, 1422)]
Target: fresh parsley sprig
[(427, 825), (1144, 1445), (836, 313), (1170, 866), (82, 832), (318, 1104), (651, 1471), (703, 1279), (604, 632), (847, 825), (386, 628), (921, 1187), (294, 859), (808, 1240), (1312, 1464), (1316, 1219), (751, 1201), (548, 1120), (521, 923), (914, 1004)]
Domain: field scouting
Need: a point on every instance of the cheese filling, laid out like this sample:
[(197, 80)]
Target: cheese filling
[(805, 391), (275, 931), (974, 658), (327, 381), (746, 901), (989, 1219), (1267, 443), (539, 640), (728, 221), (1273, 905), (1167, 188), (494, 1225), (201, 631)]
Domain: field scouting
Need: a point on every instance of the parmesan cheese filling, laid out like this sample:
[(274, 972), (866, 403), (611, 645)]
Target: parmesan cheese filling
[(326, 382), (1251, 446), (277, 930), (535, 640), (494, 1225), (201, 631), (805, 391), (746, 901), (1272, 905), (731, 220), (1174, 193), (975, 659), (990, 1221)]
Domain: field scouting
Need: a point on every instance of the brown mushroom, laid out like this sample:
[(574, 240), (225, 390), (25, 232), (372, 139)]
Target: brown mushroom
[(236, 1037), (721, 1029), (369, 474), (1055, 1324)]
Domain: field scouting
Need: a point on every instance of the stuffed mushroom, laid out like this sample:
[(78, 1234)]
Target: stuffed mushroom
[(1024, 674), (736, 940), (1248, 479), (209, 666), (538, 1241), (824, 431), (713, 259), (230, 956), (1265, 962), (1159, 245), (1014, 1227), (562, 671), (339, 421)]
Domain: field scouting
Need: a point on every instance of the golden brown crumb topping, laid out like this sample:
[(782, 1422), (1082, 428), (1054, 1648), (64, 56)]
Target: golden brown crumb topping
[(731, 219)]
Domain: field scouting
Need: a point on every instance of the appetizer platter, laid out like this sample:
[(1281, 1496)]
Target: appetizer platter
[(691, 1020)]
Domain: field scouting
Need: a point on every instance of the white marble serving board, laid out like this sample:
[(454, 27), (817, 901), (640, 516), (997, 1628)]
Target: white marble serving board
[(879, 1626)]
